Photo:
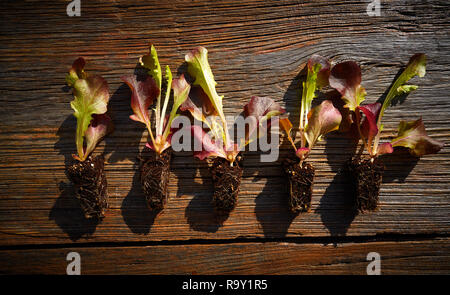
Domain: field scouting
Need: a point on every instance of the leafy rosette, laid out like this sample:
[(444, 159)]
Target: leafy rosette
[(205, 105), (346, 78), (91, 97), (323, 119), (314, 122), (145, 91)]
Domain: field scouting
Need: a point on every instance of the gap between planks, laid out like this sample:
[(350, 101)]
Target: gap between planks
[(326, 240)]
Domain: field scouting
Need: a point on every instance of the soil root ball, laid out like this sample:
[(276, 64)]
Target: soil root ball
[(367, 175), (91, 186), (301, 181), (155, 173), (227, 180)]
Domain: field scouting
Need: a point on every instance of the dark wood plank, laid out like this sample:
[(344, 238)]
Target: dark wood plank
[(256, 48), (411, 257)]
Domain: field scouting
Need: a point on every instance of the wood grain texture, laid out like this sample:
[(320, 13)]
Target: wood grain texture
[(255, 48), (419, 257)]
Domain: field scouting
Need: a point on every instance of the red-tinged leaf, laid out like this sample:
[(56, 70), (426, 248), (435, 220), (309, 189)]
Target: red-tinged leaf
[(258, 110), (345, 77), (302, 152), (322, 119), (160, 144), (209, 148), (286, 125), (76, 72), (324, 72), (100, 126), (143, 93), (199, 105), (150, 145), (369, 127), (262, 107), (412, 135), (385, 148)]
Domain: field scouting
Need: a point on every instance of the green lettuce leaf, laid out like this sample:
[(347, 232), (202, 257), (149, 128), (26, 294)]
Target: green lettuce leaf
[(181, 90), (317, 77), (168, 77), (415, 67), (151, 63), (199, 69)]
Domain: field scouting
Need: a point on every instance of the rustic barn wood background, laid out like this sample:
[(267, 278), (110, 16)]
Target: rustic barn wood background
[(255, 47)]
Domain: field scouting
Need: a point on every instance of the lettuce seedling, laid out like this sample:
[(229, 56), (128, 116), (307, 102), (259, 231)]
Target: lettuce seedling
[(91, 97), (346, 78), (206, 106), (314, 123), (144, 91)]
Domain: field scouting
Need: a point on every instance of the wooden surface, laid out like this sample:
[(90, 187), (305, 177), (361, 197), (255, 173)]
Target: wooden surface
[(255, 48)]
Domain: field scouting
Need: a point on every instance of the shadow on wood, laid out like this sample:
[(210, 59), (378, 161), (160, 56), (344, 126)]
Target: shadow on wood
[(66, 211), (134, 209), (199, 213), (274, 214), (337, 207), (68, 215), (292, 98), (398, 165), (123, 143), (66, 145), (135, 212), (272, 210)]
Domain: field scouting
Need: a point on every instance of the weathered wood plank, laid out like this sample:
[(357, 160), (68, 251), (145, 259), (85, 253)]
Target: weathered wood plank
[(404, 208), (256, 48), (411, 257)]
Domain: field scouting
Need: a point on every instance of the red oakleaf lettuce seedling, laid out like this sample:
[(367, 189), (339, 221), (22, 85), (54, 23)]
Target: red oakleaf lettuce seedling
[(91, 97), (206, 106), (144, 92), (346, 78), (313, 125)]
